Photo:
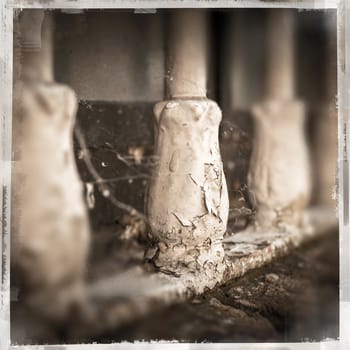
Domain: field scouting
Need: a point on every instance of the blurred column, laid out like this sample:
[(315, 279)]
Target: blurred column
[(326, 124), (188, 202), (241, 82), (279, 176), (241, 67), (187, 54), (34, 43), (50, 226), (280, 55)]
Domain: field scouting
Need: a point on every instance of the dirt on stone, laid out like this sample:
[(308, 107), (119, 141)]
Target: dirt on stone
[(293, 299)]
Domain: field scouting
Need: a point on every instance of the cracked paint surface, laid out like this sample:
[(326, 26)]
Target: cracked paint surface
[(188, 200)]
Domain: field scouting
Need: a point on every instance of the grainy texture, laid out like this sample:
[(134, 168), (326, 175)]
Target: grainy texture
[(128, 47), (119, 137)]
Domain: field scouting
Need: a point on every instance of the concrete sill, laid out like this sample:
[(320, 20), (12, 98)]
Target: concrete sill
[(125, 296)]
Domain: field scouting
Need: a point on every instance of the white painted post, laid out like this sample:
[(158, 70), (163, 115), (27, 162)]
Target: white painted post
[(187, 54), (279, 176), (280, 72), (50, 235), (188, 201)]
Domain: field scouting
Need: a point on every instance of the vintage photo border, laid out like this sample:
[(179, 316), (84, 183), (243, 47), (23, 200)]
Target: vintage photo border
[(343, 103)]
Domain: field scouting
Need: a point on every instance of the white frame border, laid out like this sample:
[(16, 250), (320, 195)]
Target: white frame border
[(343, 50)]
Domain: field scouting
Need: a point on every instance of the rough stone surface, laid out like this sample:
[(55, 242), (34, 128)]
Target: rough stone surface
[(114, 131), (188, 200), (123, 287), (301, 305)]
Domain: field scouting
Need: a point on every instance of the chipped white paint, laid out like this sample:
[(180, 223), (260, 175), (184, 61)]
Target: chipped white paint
[(142, 291), (188, 200), (188, 217), (6, 115)]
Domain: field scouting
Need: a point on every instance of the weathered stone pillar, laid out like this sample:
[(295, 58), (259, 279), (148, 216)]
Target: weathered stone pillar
[(188, 201), (279, 176), (50, 235)]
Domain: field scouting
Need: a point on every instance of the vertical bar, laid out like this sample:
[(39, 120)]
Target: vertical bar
[(280, 54), (279, 144), (6, 18), (187, 54), (188, 192), (343, 167)]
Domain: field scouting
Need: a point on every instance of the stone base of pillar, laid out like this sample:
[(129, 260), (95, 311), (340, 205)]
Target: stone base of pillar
[(188, 200), (279, 176), (50, 229)]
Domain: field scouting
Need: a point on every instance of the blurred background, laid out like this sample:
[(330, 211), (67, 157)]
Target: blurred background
[(117, 95), (115, 62)]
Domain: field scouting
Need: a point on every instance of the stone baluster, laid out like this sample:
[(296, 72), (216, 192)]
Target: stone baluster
[(50, 235), (279, 175), (188, 201)]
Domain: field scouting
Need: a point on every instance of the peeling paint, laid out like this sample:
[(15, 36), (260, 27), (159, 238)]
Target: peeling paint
[(188, 194)]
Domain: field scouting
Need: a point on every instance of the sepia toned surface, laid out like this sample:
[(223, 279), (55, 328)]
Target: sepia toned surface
[(117, 161)]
